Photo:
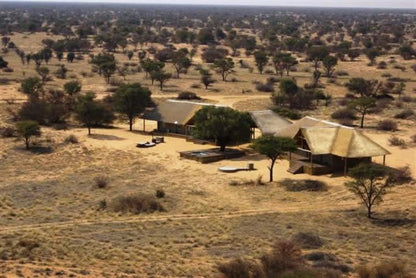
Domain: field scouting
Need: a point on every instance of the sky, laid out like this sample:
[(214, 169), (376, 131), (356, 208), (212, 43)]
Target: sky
[(408, 4)]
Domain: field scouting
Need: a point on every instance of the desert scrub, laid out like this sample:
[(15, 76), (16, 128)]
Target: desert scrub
[(136, 203), (304, 185), (101, 181)]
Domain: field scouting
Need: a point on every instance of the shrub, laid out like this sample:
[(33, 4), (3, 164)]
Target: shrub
[(401, 175), (288, 113), (101, 181), (405, 114), (386, 74), (387, 125), (273, 79), (342, 73), (265, 87), (136, 203), (304, 185), (8, 132), (240, 268), (382, 65), (344, 113), (384, 270), (72, 139), (285, 255), (8, 70), (312, 273), (308, 240), (400, 67), (188, 96), (396, 141), (160, 193)]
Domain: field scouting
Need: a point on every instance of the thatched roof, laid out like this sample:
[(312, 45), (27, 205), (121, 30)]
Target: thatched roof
[(305, 122), (268, 121), (341, 141), (174, 111)]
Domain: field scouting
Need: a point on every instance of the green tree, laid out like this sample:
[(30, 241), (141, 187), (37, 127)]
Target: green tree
[(329, 63), (130, 54), (372, 54), (353, 53), (224, 67), (363, 105), (180, 62), (261, 60), (72, 87), (150, 66), (131, 100), (316, 54), (161, 76), (273, 147), (363, 87), (371, 182), (70, 57), (222, 124), (206, 78), (28, 129), (107, 70), (43, 73), (92, 113), (31, 86)]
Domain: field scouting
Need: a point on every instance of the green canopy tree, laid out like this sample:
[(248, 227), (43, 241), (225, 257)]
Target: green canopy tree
[(371, 182), (261, 60), (28, 129), (72, 87), (131, 100), (372, 54), (222, 124), (43, 73), (161, 76), (316, 54), (329, 63), (92, 113), (31, 86), (206, 78), (363, 87), (224, 67), (180, 61), (273, 147), (363, 106), (150, 66)]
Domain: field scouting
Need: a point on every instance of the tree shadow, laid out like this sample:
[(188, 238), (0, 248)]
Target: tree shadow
[(105, 137), (393, 222), (41, 149)]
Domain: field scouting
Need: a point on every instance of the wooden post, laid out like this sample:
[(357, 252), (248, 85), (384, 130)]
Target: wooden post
[(345, 166), (312, 163), (384, 160)]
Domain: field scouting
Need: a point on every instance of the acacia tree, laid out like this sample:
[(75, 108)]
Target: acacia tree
[(316, 54), (160, 76), (131, 100), (363, 87), (150, 66), (92, 113), (329, 63), (31, 86), (363, 106), (206, 78), (180, 62), (273, 147), (222, 124), (43, 73), (370, 184), (261, 60), (28, 129), (224, 67)]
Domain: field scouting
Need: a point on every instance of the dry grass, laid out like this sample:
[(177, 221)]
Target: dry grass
[(48, 208)]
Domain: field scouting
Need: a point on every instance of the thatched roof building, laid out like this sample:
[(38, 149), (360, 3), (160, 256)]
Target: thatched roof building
[(325, 147), (268, 121)]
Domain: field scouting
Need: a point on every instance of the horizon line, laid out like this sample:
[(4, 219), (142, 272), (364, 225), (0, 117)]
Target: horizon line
[(202, 4)]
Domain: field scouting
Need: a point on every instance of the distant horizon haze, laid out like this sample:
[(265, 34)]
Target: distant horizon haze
[(389, 4)]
